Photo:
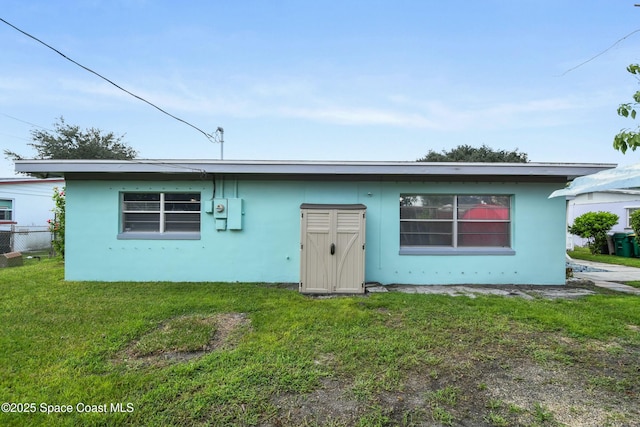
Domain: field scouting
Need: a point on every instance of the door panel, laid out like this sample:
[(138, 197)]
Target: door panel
[(319, 269), (348, 276), (315, 268), (340, 272)]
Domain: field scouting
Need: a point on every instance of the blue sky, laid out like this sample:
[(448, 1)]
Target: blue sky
[(326, 80)]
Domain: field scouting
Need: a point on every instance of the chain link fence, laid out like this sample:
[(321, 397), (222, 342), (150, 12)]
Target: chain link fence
[(25, 239)]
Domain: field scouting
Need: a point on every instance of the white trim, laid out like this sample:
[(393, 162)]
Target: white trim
[(627, 215), (62, 167)]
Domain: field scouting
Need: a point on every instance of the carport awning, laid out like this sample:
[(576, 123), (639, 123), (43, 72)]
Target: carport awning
[(611, 179)]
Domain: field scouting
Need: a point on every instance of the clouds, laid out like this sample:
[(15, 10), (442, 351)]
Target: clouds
[(309, 80), (311, 99)]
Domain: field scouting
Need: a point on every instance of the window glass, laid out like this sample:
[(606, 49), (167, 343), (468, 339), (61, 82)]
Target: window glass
[(6, 210), (426, 207), (426, 233), (161, 212), (479, 220), (141, 202), (182, 222), (142, 222), (182, 202)]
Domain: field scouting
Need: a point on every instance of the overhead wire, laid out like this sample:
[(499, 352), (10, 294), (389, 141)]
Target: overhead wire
[(601, 53), (174, 165), (24, 121), (210, 137), (14, 136)]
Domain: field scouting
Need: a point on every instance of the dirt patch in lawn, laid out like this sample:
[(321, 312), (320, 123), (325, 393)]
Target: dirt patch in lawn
[(563, 383), (184, 338)]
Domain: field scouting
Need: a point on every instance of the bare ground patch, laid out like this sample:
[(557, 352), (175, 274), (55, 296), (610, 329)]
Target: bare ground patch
[(582, 384), (170, 341)]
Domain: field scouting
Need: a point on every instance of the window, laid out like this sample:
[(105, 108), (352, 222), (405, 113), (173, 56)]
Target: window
[(449, 223), (160, 215), (6, 210), (630, 211)]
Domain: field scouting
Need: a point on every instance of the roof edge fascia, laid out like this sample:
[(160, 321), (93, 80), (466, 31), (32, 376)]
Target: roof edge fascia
[(60, 167)]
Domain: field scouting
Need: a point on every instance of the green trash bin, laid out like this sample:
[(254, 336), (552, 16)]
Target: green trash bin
[(623, 245), (634, 245)]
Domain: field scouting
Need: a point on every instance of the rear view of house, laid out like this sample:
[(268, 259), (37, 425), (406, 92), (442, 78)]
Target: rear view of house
[(329, 226)]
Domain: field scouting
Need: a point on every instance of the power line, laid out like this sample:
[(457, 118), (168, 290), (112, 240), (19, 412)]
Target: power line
[(601, 53), (207, 135), (24, 121), (14, 136)]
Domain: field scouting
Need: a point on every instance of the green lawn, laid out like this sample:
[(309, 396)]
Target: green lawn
[(583, 253), (116, 353)]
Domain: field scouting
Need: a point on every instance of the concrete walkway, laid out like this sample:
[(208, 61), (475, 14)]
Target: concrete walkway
[(613, 276)]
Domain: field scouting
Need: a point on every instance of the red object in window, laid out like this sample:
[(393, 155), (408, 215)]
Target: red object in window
[(483, 233)]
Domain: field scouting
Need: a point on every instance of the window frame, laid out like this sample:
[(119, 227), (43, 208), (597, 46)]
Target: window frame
[(163, 212), (455, 248), (10, 210), (628, 211)]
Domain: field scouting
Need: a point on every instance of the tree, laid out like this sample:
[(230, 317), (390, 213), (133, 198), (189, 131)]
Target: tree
[(627, 138), (483, 154), (71, 142), (594, 227)]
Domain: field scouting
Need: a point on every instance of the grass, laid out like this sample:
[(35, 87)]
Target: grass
[(583, 253), (182, 334), (387, 359)]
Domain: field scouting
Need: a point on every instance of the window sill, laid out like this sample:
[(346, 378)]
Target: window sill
[(159, 236), (423, 250)]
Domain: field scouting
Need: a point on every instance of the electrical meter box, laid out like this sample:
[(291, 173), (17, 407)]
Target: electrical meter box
[(227, 214)]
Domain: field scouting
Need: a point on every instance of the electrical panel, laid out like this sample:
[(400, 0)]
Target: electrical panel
[(227, 213), (234, 217)]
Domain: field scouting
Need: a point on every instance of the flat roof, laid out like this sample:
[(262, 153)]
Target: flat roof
[(28, 180), (70, 168)]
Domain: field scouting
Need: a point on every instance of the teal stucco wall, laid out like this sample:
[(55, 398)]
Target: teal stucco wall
[(267, 249)]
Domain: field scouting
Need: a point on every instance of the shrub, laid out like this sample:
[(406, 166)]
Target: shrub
[(594, 227), (634, 220), (57, 224)]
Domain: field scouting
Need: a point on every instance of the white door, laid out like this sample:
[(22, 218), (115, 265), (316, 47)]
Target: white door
[(332, 249)]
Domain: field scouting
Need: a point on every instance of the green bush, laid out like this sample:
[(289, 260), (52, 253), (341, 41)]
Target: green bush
[(634, 220), (57, 224), (594, 227)]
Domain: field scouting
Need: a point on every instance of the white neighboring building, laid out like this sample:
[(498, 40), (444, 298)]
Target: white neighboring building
[(620, 202), (25, 206)]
